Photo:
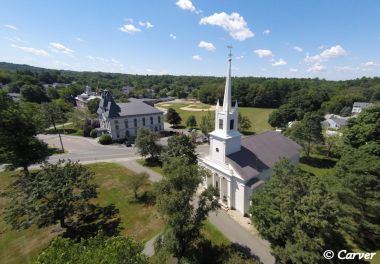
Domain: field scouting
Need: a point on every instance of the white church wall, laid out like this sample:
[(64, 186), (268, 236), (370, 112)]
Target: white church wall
[(217, 150)]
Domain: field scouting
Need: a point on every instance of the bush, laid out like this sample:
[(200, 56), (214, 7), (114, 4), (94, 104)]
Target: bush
[(105, 139), (93, 133)]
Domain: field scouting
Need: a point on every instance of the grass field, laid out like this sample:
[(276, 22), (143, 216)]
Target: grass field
[(138, 220), (257, 116)]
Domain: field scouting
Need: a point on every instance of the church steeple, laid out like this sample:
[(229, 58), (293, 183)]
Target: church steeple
[(227, 89)]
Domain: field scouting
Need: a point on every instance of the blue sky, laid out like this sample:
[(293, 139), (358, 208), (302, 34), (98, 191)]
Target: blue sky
[(326, 38)]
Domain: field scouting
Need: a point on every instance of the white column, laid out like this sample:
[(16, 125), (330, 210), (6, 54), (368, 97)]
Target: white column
[(220, 188), (229, 193)]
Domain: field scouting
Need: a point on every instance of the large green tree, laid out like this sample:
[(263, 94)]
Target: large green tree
[(19, 145), (297, 214), (191, 121), (184, 212), (244, 124), (147, 143), (57, 193), (172, 117), (93, 105), (207, 124), (99, 249), (308, 131), (180, 146)]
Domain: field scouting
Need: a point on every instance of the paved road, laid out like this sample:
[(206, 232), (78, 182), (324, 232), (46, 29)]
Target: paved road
[(87, 150)]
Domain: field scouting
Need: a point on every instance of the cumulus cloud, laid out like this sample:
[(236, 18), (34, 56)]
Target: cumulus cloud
[(172, 36), (262, 53), (317, 67), (293, 70), (186, 5), (34, 51), (206, 45), (327, 54), (58, 47), (240, 57), (197, 58), (267, 32), (146, 24), (369, 64), (10, 27), (79, 39), (234, 24), (279, 62), (344, 69), (129, 28), (298, 49)]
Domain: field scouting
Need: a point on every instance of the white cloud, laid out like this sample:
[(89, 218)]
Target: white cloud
[(37, 52), (262, 53), (369, 64), (240, 57), (129, 28), (91, 57), (207, 45), (197, 58), (186, 5), (146, 24), (298, 49), (321, 47), (279, 62), (79, 39), (58, 47), (172, 36), (293, 70), (10, 27), (317, 67), (233, 23), (267, 32), (327, 54), (149, 70), (344, 69), (17, 40)]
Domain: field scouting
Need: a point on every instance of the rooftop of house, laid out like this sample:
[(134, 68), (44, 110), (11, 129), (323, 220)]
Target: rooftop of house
[(339, 121), (261, 152), (362, 104)]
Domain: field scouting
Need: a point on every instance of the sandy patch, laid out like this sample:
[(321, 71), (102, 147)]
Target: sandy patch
[(189, 108)]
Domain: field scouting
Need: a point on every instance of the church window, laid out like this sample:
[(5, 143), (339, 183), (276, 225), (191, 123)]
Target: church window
[(127, 133), (217, 149), (159, 119), (231, 124), (135, 122), (117, 127), (143, 121), (116, 121), (126, 123), (151, 120), (220, 123)]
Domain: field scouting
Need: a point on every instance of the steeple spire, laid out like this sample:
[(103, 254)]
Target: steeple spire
[(227, 89)]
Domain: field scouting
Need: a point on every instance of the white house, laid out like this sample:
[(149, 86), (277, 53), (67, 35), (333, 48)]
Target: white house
[(360, 106), (239, 165), (335, 122), (122, 120), (83, 99)]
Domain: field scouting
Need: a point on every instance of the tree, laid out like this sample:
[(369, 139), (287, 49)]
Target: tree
[(52, 93), (207, 124), (172, 117), (363, 132), (54, 194), (99, 249), (19, 145), (146, 143), (297, 214), (93, 105), (184, 213), (359, 175), (180, 146), (33, 93), (136, 181), (244, 124), (191, 121), (53, 115), (308, 131)]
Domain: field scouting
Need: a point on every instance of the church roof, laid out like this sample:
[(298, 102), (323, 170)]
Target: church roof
[(261, 152)]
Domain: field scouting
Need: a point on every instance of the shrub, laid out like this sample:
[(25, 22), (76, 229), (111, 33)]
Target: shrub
[(105, 139), (93, 133)]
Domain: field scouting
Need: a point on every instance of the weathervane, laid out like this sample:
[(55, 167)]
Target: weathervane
[(229, 54)]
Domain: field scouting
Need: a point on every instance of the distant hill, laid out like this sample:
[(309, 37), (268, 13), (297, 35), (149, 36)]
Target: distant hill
[(19, 67)]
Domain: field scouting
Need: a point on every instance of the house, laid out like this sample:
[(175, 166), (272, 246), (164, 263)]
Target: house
[(360, 106), (15, 96), (239, 166), (83, 99), (334, 121), (122, 120)]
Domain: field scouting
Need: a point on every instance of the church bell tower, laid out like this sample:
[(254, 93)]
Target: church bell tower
[(225, 139)]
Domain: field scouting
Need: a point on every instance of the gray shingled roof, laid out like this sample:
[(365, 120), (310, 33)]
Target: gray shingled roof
[(339, 121), (137, 108), (260, 152), (362, 104)]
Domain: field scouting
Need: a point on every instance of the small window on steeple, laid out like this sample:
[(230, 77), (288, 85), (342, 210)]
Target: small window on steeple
[(231, 124), (220, 123)]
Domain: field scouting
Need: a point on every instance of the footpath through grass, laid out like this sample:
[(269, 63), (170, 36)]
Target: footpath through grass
[(139, 220)]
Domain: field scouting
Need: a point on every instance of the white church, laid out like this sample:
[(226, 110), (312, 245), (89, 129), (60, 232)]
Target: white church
[(239, 165)]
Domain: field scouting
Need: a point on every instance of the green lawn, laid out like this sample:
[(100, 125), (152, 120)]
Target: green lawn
[(138, 220), (257, 116), (154, 167)]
